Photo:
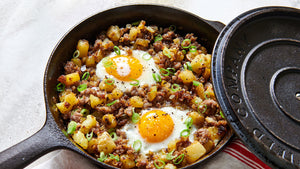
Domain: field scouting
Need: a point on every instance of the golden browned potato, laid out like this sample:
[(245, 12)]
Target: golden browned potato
[(95, 101), (136, 101), (142, 42), (209, 145), (114, 33), (170, 166), (198, 119), (92, 145), (116, 93), (76, 61), (127, 161), (105, 143), (187, 76), (152, 93), (109, 120), (194, 151), (106, 85), (107, 44), (83, 48), (133, 33), (80, 139), (69, 101), (90, 61), (69, 79), (88, 123), (200, 91)]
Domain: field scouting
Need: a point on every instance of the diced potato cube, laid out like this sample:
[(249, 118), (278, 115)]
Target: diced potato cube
[(69, 101), (136, 101), (200, 91), (152, 93), (206, 73), (133, 33), (127, 161), (71, 98), (105, 143), (69, 79), (106, 86), (172, 145), (197, 64), (92, 145), (90, 61), (116, 93), (107, 44), (109, 120), (198, 119), (142, 42), (209, 145), (214, 133), (114, 33), (95, 101), (187, 76), (80, 139), (194, 152), (76, 61), (83, 47), (88, 123)]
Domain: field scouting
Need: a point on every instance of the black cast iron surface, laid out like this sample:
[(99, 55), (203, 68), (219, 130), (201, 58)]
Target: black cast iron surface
[(50, 137), (256, 76)]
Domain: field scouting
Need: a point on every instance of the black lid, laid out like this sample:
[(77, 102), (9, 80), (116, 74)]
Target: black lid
[(256, 76)]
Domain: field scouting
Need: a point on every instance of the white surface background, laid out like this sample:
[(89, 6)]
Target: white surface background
[(29, 30)]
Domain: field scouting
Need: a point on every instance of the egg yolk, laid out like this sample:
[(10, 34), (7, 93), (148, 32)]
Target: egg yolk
[(125, 68), (155, 126)]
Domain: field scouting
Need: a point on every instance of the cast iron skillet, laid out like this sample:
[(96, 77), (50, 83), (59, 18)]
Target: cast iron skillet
[(50, 137)]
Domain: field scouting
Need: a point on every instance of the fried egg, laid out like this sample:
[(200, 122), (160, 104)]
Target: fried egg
[(157, 128), (126, 69)]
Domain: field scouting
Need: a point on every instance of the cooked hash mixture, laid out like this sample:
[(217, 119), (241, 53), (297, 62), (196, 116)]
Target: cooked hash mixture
[(141, 97)]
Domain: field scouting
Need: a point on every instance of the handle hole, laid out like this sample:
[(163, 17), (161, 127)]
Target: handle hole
[(297, 95)]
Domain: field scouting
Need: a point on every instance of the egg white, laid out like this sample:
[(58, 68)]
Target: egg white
[(178, 116), (149, 67)]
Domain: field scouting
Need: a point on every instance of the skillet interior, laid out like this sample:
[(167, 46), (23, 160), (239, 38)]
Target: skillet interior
[(88, 29)]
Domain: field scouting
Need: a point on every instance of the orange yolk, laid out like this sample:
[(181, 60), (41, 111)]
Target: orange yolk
[(155, 126), (125, 68)]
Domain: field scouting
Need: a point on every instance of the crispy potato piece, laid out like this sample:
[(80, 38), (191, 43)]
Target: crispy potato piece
[(116, 93), (95, 101), (198, 119), (90, 61), (114, 33), (69, 101), (200, 91), (105, 143), (106, 86), (92, 145), (170, 166), (142, 42), (127, 161), (136, 101), (152, 93), (187, 76), (69, 79), (194, 151), (80, 139), (109, 120), (133, 33), (88, 123), (76, 61), (83, 47)]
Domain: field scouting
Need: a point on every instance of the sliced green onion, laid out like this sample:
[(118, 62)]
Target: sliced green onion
[(193, 49), (175, 87), (111, 130), (205, 108), (107, 62), (164, 72), (188, 66), (85, 76), (82, 87), (184, 52), (109, 81), (135, 84), (146, 56), (114, 136), (167, 52), (206, 94), (222, 115), (60, 87), (158, 38), (173, 70), (117, 50), (179, 159), (188, 122), (161, 164), (76, 54), (135, 116), (196, 83), (137, 145), (172, 28), (102, 157), (89, 136), (136, 23), (116, 157), (84, 112), (156, 77), (65, 133), (185, 133), (71, 127), (109, 104), (184, 41), (170, 156)]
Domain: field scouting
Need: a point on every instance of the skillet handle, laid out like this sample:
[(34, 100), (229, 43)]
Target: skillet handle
[(216, 24), (47, 139)]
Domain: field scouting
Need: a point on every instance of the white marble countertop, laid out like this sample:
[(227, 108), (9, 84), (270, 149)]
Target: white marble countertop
[(29, 30)]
